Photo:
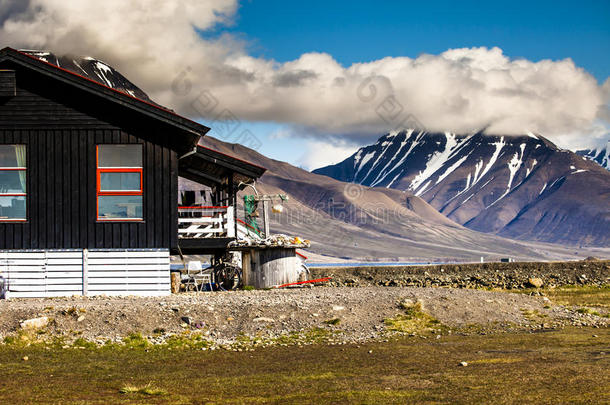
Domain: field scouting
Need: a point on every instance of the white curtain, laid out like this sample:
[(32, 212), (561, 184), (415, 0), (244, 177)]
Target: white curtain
[(20, 151)]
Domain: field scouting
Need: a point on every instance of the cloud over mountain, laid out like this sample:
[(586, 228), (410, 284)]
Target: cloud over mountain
[(157, 44)]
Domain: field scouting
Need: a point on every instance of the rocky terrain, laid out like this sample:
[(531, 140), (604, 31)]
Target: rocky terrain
[(487, 275), (240, 319), (521, 187), (223, 317)]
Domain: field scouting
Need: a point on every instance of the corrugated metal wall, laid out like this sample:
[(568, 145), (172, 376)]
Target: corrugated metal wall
[(85, 272)]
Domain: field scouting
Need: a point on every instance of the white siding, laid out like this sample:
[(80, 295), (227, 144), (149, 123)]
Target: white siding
[(76, 272), (128, 272)]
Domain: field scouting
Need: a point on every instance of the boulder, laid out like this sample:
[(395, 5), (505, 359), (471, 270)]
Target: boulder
[(535, 282), (263, 319), (35, 323)]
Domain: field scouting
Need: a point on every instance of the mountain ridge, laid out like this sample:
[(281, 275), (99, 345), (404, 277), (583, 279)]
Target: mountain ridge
[(599, 155), (522, 187)]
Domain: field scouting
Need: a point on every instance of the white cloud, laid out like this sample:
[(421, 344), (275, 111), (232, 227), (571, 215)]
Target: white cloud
[(320, 153), (280, 133), (155, 43)]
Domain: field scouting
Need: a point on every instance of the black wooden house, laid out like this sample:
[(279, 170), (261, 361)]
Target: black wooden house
[(89, 185)]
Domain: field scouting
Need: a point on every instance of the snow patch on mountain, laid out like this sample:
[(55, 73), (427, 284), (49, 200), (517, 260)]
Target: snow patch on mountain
[(364, 161), (499, 145), (598, 155), (436, 161), (513, 167), (93, 69)]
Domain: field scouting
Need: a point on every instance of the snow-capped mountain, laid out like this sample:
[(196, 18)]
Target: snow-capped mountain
[(601, 156), (93, 69), (517, 186)]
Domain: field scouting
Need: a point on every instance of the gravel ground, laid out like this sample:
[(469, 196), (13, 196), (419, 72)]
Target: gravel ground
[(223, 317)]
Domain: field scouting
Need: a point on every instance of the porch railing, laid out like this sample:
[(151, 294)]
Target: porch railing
[(206, 222)]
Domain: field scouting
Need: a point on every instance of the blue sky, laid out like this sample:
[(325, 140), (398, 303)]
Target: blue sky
[(294, 72), (362, 31)]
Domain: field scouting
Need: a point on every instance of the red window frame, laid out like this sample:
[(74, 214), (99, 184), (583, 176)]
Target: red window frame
[(18, 169), (101, 193)]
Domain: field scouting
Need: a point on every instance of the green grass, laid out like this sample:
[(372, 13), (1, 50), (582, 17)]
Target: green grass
[(587, 299), (565, 366), (147, 389), (588, 296), (334, 321), (413, 320)]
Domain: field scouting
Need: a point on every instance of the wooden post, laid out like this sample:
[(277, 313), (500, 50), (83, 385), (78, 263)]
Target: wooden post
[(175, 281), (266, 218), (230, 222)]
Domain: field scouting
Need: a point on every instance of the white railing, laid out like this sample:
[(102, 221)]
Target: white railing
[(206, 222)]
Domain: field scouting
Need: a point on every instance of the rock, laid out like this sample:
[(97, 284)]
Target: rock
[(338, 308), (25, 358), (463, 364), (263, 319), (81, 318), (35, 323), (535, 282)]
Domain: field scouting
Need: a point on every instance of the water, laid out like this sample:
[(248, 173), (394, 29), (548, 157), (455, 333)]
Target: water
[(375, 264)]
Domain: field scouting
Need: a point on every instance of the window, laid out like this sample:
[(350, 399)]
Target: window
[(119, 182), (12, 183)]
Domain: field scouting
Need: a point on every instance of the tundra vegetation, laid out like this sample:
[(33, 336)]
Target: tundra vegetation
[(420, 360)]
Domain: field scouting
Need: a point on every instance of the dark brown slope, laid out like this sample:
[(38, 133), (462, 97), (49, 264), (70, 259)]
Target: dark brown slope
[(351, 221)]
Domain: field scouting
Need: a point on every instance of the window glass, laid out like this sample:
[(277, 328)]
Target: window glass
[(120, 207), (12, 181), (120, 155), (12, 207), (120, 181), (12, 156), (119, 174)]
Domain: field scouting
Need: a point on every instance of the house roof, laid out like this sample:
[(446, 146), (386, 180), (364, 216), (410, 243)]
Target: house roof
[(211, 167), (203, 164), (192, 130)]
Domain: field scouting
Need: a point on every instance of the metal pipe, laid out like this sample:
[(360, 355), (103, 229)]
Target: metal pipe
[(253, 185)]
